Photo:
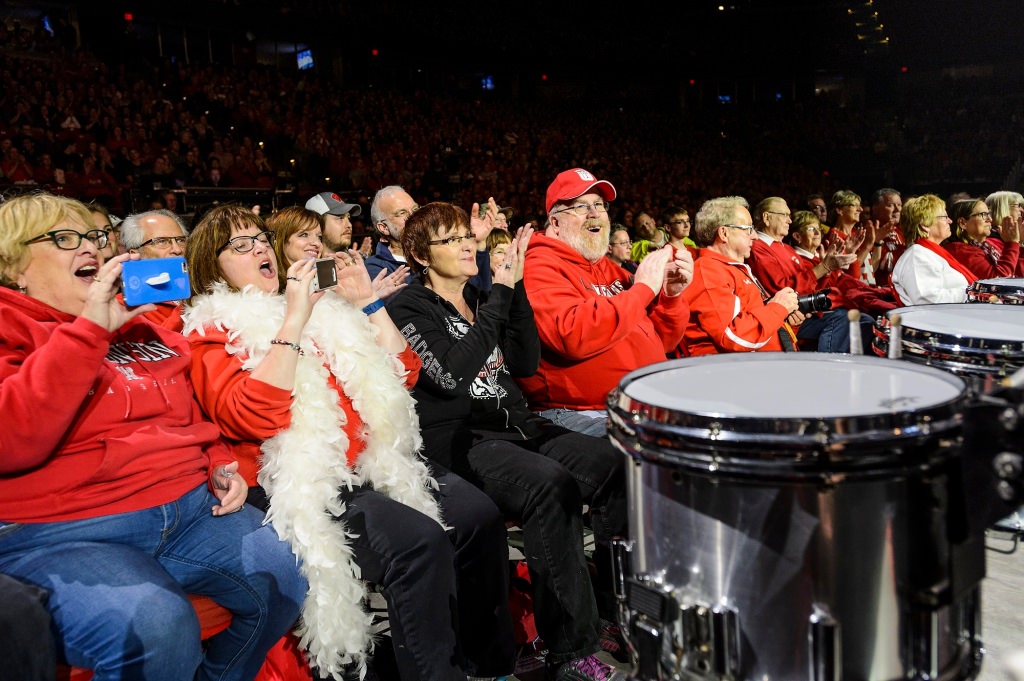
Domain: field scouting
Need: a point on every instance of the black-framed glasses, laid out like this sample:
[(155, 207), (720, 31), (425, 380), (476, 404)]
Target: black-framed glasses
[(451, 240), (583, 209), (982, 215), (244, 244), (164, 242), (70, 240), (749, 229)]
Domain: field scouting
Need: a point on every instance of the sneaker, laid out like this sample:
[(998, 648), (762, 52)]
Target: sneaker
[(530, 657), (589, 668), (612, 642)]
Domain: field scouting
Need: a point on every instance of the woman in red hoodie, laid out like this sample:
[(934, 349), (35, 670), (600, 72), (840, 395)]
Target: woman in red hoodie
[(115, 495)]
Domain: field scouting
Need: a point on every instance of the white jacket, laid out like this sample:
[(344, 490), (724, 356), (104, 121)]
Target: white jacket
[(921, 276)]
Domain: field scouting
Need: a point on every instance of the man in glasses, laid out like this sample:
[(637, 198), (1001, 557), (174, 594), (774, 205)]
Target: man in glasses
[(157, 234), (596, 321), (729, 310)]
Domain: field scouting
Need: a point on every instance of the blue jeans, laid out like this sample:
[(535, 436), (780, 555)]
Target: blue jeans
[(117, 588), (832, 331), (588, 421)]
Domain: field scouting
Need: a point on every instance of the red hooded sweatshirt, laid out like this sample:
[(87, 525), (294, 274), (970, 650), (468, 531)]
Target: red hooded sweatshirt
[(95, 423), (594, 326)]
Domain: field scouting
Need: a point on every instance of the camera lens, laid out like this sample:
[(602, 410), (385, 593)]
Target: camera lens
[(814, 302)]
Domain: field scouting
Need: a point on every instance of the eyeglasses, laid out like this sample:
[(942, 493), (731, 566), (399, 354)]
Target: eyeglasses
[(749, 229), (983, 215), (404, 214), (244, 244), (812, 230), (772, 212), (451, 240), (162, 242), (620, 243), (70, 240), (583, 209)]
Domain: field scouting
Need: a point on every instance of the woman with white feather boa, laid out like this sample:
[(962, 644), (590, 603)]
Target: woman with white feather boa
[(311, 392)]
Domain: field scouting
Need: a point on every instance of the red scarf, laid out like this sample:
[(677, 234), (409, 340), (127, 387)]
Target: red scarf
[(950, 260)]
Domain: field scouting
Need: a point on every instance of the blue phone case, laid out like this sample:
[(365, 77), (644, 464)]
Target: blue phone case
[(156, 280)]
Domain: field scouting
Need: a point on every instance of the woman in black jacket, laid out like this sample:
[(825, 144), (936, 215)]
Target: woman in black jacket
[(476, 422)]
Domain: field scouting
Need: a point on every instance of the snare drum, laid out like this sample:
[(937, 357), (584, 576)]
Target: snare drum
[(788, 520), (981, 343), (1006, 290)]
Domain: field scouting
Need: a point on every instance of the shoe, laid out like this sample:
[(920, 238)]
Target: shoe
[(589, 668), (612, 642), (530, 657)]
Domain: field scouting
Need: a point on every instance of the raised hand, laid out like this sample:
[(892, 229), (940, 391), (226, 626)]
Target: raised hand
[(678, 270), (385, 284), (354, 284), (511, 270), (482, 226), (101, 304)]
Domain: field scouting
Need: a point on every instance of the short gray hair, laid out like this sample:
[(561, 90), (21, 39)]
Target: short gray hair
[(131, 233), (712, 215)]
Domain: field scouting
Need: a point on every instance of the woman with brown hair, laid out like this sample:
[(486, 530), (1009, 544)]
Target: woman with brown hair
[(310, 389)]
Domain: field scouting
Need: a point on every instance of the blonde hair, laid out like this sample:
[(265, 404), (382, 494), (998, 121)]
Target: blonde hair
[(26, 217), (918, 213)]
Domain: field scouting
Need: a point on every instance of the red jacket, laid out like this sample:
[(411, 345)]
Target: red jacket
[(849, 293), (778, 266), (1007, 262), (95, 423), (594, 326), (727, 311), (249, 411)]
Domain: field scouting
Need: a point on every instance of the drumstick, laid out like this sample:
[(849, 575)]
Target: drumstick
[(856, 346), (1014, 380), (895, 337)]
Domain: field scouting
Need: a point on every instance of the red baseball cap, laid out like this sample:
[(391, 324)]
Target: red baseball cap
[(576, 182)]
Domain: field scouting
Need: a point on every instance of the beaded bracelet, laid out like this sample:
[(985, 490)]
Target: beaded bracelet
[(373, 307), (294, 346)]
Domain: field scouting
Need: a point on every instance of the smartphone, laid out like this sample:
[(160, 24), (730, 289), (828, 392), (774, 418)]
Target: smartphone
[(154, 280), (326, 275)]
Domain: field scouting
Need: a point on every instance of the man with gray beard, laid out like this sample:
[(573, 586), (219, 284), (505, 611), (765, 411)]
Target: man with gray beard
[(596, 321)]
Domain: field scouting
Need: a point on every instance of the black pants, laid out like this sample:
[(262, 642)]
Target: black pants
[(543, 483), (27, 647), (446, 591)]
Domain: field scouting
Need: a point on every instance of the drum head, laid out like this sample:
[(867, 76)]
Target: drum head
[(959, 336), (805, 407)]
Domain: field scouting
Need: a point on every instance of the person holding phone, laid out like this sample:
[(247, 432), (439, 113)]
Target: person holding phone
[(116, 495), (311, 390), (154, 234)]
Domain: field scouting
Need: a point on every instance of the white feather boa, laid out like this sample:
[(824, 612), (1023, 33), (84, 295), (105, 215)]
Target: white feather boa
[(305, 465)]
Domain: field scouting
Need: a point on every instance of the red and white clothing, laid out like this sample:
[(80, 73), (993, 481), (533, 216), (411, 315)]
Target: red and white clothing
[(892, 247), (847, 293), (923, 275), (595, 326), (350, 421), (777, 266), (95, 423), (989, 259), (727, 310)]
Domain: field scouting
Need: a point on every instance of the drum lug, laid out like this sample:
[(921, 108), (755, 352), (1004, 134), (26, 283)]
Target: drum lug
[(826, 647), (710, 640)]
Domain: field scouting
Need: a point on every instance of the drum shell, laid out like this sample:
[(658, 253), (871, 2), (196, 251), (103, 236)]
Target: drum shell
[(873, 552), (784, 522)]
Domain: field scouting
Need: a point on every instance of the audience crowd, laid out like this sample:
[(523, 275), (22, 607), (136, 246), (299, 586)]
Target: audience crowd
[(497, 345)]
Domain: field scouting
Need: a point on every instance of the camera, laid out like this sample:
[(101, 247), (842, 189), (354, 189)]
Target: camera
[(814, 302), (326, 274)]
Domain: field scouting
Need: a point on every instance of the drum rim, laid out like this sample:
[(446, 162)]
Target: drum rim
[(990, 354), (807, 441)]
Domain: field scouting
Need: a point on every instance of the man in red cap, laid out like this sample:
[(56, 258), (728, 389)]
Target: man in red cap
[(597, 322)]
